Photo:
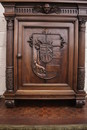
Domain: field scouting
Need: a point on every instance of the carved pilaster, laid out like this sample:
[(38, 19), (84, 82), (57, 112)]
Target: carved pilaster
[(10, 55), (81, 52)]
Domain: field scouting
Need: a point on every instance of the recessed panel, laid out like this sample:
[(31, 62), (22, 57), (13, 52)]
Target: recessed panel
[(45, 52)]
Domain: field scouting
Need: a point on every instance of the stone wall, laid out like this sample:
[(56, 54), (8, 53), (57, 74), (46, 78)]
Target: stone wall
[(3, 52)]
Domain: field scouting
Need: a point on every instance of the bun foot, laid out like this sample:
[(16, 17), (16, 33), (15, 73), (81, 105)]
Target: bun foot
[(10, 103), (80, 103)]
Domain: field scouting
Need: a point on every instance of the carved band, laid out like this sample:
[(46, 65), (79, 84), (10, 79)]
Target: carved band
[(9, 78), (81, 78)]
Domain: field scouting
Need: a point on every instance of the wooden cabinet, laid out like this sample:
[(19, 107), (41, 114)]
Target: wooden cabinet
[(45, 50)]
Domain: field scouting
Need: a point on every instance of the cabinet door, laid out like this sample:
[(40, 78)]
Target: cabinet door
[(45, 55)]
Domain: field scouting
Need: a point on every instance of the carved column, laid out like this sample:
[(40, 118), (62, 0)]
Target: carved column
[(81, 52), (10, 55), (81, 64)]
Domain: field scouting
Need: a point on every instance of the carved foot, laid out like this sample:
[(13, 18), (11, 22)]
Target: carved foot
[(10, 103), (80, 103)]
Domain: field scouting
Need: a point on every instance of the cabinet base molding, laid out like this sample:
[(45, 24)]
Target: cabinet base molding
[(10, 103)]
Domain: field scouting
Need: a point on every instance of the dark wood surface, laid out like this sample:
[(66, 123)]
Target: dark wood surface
[(43, 113)]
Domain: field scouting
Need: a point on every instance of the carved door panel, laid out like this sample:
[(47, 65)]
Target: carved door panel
[(45, 55)]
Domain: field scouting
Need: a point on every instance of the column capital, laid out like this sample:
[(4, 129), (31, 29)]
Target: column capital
[(82, 24), (10, 24)]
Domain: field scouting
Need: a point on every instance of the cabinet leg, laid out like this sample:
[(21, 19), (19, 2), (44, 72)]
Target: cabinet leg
[(80, 103), (10, 103)]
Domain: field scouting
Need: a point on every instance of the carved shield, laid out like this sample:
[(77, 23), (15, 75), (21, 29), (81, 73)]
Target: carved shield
[(46, 54)]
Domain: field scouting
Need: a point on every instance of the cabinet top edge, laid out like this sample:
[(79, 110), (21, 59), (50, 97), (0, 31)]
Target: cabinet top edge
[(58, 1)]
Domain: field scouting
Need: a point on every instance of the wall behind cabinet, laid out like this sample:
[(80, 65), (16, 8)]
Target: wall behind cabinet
[(2, 51)]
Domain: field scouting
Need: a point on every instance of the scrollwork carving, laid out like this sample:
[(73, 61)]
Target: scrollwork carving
[(30, 41)]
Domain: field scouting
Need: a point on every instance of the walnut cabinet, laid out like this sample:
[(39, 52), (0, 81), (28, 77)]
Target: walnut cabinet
[(45, 50)]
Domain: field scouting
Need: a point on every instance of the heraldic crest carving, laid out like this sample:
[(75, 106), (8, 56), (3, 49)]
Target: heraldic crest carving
[(46, 56)]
